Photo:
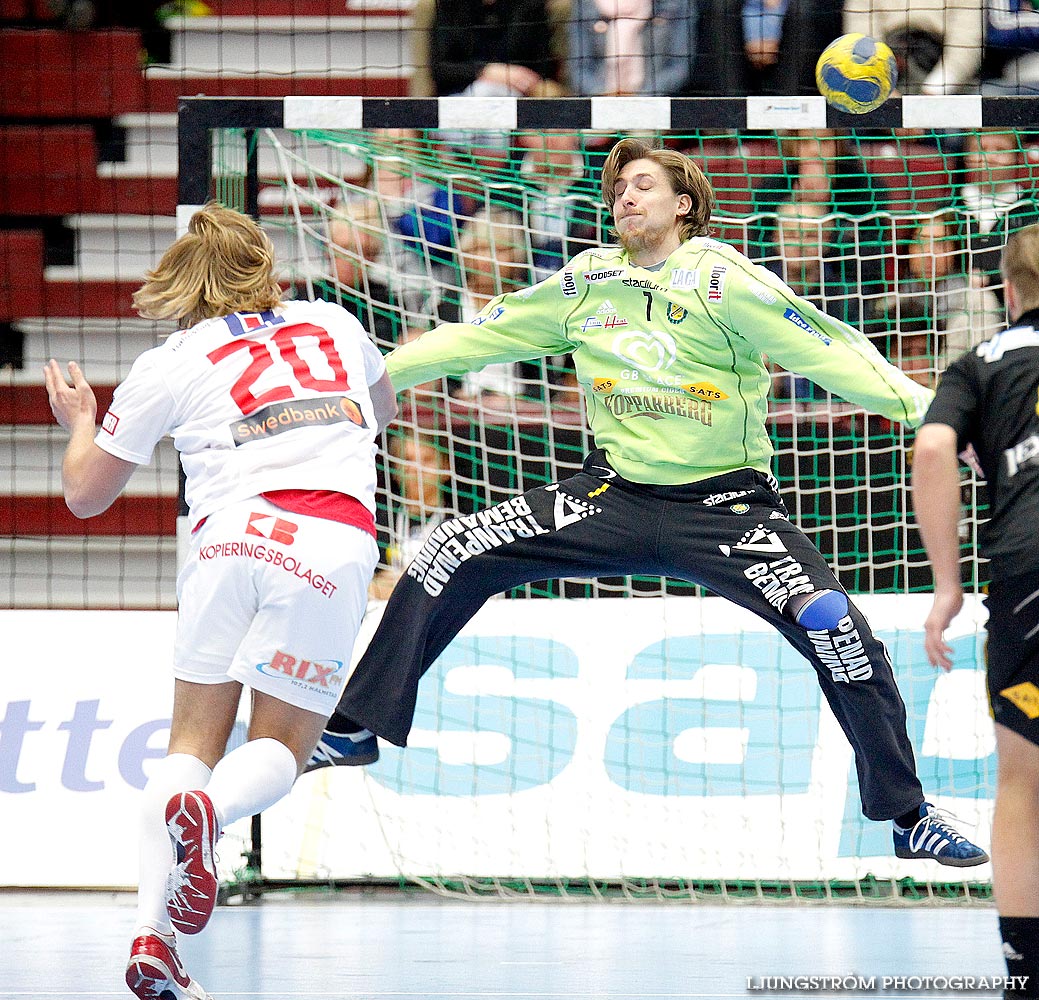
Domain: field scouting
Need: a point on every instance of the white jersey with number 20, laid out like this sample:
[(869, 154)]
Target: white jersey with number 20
[(256, 402)]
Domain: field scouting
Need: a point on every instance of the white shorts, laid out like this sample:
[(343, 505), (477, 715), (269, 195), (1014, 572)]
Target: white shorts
[(274, 600)]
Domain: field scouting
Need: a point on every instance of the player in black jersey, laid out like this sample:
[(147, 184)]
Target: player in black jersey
[(989, 399)]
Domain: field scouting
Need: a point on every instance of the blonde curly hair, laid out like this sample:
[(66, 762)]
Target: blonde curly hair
[(224, 263)]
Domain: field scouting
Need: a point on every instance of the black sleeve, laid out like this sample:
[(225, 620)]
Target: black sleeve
[(956, 401)]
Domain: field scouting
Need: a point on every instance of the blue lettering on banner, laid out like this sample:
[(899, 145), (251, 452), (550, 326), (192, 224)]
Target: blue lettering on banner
[(79, 763), (736, 731), (640, 753), (81, 728), (14, 727), (137, 748), (541, 733), (640, 749)]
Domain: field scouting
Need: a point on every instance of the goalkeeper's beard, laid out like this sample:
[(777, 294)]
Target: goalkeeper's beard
[(641, 241)]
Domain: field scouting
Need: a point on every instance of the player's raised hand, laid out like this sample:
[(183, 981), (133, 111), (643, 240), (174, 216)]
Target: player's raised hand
[(946, 606), (71, 405)]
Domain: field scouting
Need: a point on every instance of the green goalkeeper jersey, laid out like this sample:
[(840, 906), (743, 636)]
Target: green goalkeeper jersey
[(671, 359)]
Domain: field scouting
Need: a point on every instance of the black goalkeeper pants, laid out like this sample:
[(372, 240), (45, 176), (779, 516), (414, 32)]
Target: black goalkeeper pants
[(729, 533)]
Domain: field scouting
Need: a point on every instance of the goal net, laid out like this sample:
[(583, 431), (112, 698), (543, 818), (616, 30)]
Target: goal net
[(662, 743), (411, 229)]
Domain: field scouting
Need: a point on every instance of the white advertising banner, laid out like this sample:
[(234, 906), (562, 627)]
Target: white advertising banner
[(674, 738)]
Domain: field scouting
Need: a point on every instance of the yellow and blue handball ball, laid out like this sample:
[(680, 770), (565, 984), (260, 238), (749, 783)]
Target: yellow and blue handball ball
[(856, 73)]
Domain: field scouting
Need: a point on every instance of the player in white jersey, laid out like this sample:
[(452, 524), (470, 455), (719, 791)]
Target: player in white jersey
[(274, 408)]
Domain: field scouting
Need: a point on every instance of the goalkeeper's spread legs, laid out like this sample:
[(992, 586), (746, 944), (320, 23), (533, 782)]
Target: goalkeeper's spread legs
[(597, 524)]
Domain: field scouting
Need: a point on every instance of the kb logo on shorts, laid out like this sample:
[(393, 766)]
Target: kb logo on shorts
[(281, 531)]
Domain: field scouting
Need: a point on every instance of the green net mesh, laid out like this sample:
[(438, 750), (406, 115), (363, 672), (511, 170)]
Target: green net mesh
[(896, 233)]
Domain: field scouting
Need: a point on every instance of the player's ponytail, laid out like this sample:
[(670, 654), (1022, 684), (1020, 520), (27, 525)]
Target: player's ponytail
[(223, 264)]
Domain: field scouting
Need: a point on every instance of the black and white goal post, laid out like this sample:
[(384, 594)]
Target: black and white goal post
[(733, 746)]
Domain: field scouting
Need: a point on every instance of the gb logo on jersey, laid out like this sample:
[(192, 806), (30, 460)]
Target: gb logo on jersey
[(280, 531), (649, 351)]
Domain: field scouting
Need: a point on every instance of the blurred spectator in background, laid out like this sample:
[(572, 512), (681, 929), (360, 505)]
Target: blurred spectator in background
[(937, 308), (380, 278), (823, 172), (1011, 64), (494, 259), (500, 46), (418, 470), (996, 197), (761, 46), (146, 16), (631, 46), (823, 168), (438, 211), (560, 222), (360, 262), (480, 48), (937, 45), (805, 259)]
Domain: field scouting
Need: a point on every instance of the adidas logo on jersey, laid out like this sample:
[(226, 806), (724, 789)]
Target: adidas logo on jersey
[(606, 307)]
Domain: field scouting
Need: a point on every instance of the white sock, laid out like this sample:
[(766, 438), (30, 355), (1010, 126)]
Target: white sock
[(250, 779), (179, 772)]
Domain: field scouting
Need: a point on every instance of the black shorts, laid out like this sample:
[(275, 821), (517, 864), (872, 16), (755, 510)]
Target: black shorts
[(1013, 654)]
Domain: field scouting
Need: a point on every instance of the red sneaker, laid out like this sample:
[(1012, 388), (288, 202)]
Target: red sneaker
[(155, 972), (192, 884)]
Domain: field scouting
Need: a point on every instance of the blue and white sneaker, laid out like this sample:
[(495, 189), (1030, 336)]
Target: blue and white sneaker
[(344, 749), (933, 837)]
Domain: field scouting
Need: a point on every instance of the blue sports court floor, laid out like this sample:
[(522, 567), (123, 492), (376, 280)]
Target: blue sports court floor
[(392, 946)]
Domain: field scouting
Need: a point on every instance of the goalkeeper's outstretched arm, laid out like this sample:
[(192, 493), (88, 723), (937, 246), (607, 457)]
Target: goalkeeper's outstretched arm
[(519, 326)]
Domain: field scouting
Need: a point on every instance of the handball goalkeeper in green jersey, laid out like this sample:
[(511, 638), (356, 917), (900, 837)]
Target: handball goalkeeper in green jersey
[(668, 332)]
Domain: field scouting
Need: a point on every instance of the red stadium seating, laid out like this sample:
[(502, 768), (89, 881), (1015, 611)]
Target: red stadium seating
[(63, 74), (917, 179), (45, 171), (21, 273), (48, 515), (26, 10), (305, 8), (28, 405), (163, 93)]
